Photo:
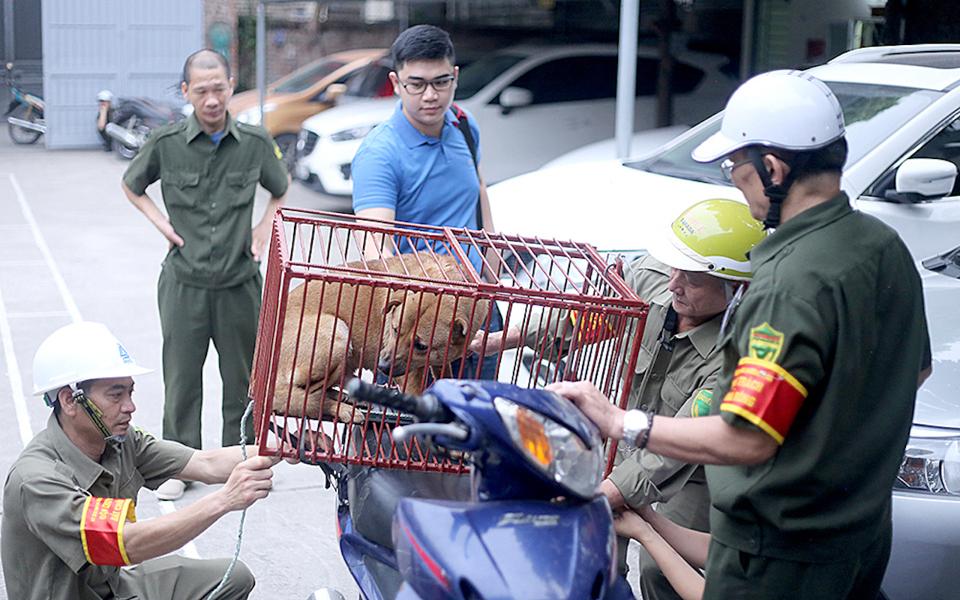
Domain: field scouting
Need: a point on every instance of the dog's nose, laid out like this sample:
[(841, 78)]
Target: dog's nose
[(398, 366)]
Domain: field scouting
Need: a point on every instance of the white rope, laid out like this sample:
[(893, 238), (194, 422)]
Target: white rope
[(243, 515)]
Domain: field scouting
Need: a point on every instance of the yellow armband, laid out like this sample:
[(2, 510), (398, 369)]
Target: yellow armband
[(101, 529), (765, 394)]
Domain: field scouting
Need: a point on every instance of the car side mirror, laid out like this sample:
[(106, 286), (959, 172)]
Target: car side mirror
[(922, 180), (515, 97), (333, 92)]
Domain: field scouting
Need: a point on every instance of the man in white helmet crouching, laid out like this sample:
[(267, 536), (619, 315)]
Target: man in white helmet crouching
[(69, 521)]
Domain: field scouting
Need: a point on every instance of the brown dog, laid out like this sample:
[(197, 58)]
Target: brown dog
[(331, 329)]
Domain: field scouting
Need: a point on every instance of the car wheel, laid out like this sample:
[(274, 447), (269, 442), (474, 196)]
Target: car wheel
[(287, 142)]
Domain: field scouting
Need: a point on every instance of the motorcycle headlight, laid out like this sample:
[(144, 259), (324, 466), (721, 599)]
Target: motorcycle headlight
[(552, 448), (931, 464), (354, 133)]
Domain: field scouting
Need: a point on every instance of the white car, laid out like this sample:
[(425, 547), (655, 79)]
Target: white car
[(641, 144), (902, 110), (532, 103)]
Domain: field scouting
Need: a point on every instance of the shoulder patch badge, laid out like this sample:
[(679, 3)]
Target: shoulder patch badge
[(701, 403), (765, 343)]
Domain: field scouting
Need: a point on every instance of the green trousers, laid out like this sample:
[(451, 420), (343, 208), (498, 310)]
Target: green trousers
[(733, 573), (189, 318), (178, 577)]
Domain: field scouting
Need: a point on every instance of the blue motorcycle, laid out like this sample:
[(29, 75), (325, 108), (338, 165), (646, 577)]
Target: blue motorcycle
[(526, 522)]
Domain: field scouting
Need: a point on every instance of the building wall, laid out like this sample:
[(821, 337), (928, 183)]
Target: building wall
[(131, 47), (20, 43), (220, 28), (792, 34)]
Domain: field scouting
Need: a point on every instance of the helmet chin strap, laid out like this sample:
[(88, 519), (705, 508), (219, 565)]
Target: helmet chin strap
[(776, 192), (93, 411)]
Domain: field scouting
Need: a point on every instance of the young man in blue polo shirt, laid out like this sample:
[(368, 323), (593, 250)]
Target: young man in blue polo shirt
[(418, 166)]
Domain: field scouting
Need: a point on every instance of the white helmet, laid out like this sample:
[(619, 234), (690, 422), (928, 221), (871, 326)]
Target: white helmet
[(79, 352), (791, 110), (104, 96)]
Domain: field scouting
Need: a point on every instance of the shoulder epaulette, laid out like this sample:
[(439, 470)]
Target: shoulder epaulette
[(168, 129), (256, 130)]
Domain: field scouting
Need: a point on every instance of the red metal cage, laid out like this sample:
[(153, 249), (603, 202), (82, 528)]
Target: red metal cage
[(399, 304)]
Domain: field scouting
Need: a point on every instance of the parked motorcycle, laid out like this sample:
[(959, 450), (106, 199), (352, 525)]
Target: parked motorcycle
[(24, 115), (525, 523), (132, 121)]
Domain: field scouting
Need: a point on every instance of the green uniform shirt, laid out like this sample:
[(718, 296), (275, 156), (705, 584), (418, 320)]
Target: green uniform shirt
[(674, 383), (208, 190), (830, 338), (43, 499), (677, 382)]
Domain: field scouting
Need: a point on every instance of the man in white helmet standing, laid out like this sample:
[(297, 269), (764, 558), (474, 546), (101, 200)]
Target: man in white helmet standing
[(821, 363), (69, 519)]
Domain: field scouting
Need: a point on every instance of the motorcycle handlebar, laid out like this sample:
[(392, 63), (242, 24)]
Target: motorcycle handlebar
[(425, 408)]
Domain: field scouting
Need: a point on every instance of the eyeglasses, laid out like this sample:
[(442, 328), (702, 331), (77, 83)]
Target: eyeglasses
[(727, 167), (419, 86)]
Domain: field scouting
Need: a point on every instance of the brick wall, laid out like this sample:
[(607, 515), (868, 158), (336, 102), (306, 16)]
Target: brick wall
[(220, 28)]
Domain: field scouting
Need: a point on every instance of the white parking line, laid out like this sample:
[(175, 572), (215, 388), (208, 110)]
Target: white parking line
[(21, 263), (44, 314), (189, 549), (13, 374), (65, 294)]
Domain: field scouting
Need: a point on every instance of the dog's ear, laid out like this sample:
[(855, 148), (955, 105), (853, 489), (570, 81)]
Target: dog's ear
[(459, 329), (395, 300)]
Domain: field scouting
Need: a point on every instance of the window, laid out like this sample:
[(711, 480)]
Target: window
[(579, 78), (945, 145), (686, 77), (571, 79), (307, 76), (478, 74), (372, 81)]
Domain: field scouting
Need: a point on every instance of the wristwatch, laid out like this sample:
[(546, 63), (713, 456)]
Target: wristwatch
[(636, 428)]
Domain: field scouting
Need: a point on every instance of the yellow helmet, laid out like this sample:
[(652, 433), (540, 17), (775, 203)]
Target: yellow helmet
[(712, 236)]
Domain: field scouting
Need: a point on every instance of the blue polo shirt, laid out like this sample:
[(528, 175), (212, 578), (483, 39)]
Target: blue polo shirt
[(422, 178)]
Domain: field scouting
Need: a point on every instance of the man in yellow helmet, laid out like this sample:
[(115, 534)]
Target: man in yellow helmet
[(690, 277)]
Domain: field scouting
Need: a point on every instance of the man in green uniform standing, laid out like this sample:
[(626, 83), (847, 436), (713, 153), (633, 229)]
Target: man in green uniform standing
[(209, 167), (688, 279), (821, 363), (69, 520)]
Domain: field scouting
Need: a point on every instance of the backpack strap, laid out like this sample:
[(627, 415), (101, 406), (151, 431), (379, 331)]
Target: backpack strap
[(463, 124)]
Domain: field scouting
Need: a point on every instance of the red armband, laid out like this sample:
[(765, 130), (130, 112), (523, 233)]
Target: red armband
[(765, 394), (101, 529)]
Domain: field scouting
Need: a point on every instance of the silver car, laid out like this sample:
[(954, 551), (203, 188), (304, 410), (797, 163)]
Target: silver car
[(926, 497)]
